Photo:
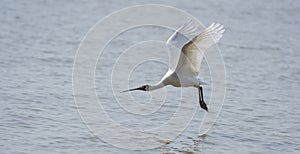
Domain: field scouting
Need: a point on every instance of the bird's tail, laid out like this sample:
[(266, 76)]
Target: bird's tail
[(201, 82)]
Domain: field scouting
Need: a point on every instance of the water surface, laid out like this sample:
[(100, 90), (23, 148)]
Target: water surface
[(261, 111)]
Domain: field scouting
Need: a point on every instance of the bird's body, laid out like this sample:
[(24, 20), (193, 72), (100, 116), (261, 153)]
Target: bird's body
[(185, 73), (179, 79)]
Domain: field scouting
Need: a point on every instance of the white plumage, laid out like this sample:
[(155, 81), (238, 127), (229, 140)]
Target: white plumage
[(185, 73)]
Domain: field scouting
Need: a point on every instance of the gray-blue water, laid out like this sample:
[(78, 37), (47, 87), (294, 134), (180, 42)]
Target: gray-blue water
[(261, 112)]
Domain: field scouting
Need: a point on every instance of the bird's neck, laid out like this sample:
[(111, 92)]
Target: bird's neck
[(156, 86)]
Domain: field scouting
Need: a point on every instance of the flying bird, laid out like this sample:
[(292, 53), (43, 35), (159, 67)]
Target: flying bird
[(186, 72)]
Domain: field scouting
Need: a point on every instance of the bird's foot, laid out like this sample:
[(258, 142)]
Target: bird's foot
[(203, 106)]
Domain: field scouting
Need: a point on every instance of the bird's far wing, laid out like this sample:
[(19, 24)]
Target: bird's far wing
[(192, 52), (179, 38)]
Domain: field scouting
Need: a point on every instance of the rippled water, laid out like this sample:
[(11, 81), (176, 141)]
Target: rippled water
[(39, 39)]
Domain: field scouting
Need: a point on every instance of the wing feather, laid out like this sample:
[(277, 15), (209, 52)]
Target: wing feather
[(192, 52), (179, 38)]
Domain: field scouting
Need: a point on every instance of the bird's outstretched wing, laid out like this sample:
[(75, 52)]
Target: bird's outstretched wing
[(192, 52), (182, 35), (179, 38)]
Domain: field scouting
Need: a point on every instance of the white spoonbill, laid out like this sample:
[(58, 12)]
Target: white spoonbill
[(186, 72)]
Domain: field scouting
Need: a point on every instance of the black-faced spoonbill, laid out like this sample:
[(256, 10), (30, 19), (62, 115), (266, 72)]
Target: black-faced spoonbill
[(185, 74)]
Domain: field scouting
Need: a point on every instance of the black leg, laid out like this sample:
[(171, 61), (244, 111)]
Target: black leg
[(201, 89), (201, 100)]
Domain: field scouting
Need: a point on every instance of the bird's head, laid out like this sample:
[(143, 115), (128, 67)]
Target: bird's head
[(143, 88)]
